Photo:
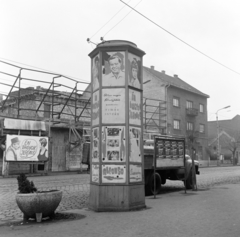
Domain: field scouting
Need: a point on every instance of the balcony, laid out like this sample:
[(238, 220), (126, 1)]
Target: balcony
[(192, 112)]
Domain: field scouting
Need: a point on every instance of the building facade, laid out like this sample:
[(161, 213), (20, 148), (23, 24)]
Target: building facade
[(182, 110)]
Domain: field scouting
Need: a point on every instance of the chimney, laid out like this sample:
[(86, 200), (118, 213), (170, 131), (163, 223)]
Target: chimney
[(152, 67), (175, 75), (163, 72)]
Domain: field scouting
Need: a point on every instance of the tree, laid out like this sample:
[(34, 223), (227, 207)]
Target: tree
[(232, 143)]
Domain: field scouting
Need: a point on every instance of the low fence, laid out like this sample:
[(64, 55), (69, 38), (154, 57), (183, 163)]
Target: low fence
[(206, 163)]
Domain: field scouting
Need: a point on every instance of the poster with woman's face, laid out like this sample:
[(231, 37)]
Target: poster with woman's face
[(134, 73), (95, 72), (113, 144), (113, 69), (26, 148)]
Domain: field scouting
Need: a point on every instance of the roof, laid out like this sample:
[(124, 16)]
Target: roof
[(175, 81)]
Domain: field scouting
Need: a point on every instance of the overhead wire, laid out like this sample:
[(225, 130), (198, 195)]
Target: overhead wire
[(122, 18), (40, 69), (180, 39), (109, 20)]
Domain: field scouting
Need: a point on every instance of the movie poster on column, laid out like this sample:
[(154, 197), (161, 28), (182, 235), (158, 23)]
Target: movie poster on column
[(95, 173), (134, 107), (135, 173), (113, 173), (134, 144), (113, 144), (113, 105), (134, 75), (95, 144), (113, 69), (95, 108)]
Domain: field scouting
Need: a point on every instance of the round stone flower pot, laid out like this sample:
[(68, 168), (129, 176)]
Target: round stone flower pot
[(44, 203)]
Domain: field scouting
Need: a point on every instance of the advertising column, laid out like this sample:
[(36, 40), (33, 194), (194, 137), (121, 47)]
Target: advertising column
[(117, 181)]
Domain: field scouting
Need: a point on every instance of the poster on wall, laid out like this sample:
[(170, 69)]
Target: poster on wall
[(95, 173), (95, 144), (95, 108), (113, 144), (113, 105), (26, 148), (134, 144), (113, 69), (134, 73), (134, 107), (95, 72), (113, 173), (135, 173)]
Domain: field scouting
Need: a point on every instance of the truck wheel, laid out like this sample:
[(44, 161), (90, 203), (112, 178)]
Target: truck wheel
[(158, 183), (189, 183)]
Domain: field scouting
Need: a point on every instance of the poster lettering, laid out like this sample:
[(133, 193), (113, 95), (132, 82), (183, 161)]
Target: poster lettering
[(113, 173), (113, 105), (26, 148)]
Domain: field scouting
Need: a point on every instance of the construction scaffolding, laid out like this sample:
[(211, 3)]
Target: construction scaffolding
[(58, 100), (154, 116)]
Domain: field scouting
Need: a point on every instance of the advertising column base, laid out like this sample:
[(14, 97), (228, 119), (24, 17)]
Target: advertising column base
[(116, 198)]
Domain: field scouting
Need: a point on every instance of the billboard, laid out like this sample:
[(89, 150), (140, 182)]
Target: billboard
[(26, 148)]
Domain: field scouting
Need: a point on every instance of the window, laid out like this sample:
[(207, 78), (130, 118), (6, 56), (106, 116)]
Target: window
[(176, 124), (189, 104), (176, 102), (201, 107), (189, 126), (201, 128)]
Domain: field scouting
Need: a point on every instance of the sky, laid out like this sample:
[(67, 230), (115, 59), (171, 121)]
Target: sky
[(51, 35)]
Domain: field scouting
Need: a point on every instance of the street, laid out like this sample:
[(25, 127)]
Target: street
[(75, 188)]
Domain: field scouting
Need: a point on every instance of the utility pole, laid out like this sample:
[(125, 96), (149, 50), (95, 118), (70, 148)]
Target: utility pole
[(218, 151)]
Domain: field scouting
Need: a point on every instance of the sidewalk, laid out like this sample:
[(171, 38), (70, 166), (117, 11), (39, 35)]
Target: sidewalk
[(203, 213)]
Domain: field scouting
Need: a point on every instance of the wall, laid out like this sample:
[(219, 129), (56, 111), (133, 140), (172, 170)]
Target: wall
[(160, 89)]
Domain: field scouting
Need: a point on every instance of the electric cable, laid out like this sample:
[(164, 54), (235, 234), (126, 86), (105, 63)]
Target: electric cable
[(180, 39), (110, 20), (122, 19), (85, 81)]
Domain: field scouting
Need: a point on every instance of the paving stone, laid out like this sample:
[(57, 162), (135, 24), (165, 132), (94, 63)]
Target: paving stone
[(76, 188)]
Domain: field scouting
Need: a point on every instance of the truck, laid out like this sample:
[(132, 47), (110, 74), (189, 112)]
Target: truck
[(165, 158)]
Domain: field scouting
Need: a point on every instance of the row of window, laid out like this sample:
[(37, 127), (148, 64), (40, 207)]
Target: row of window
[(189, 104), (176, 125)]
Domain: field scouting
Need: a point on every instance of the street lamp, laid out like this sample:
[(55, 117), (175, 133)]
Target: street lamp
[(218, 158)]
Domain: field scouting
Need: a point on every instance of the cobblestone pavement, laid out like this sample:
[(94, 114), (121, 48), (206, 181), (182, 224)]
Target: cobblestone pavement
[(75, 189)]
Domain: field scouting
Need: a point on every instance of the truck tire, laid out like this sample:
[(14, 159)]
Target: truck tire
[(189, 183), (158, 183)]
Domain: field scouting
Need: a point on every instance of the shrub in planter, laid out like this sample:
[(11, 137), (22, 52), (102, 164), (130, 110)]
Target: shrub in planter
[(24, 185), (34, 203)]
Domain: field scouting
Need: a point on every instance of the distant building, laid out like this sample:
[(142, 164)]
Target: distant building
[(182, 109), (229, 139)]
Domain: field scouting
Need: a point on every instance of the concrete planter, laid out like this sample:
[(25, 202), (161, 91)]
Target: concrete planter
[(37, 204)]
